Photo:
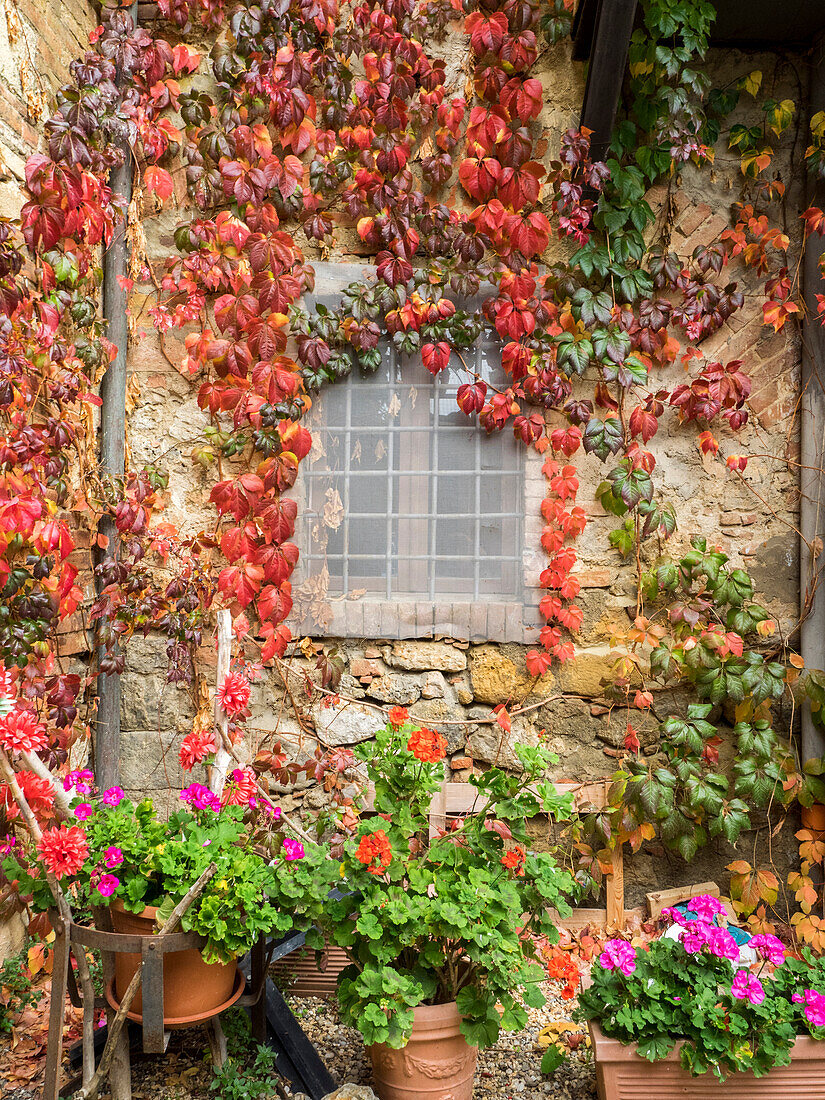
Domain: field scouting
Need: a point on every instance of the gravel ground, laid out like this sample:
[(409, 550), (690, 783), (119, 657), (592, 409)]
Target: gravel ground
[(508, 1071)]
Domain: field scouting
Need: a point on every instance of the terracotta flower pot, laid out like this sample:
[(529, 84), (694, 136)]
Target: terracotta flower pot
[(191, 986), (621, 1074), (437, 1063), (813, 818)]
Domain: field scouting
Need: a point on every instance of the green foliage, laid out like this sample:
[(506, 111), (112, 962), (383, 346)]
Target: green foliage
[(440, 919), (248, 1072), (16, 991), (676, 997), (255, 888)]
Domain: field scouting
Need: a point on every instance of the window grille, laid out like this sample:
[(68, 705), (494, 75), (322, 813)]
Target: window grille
[(410, 508)]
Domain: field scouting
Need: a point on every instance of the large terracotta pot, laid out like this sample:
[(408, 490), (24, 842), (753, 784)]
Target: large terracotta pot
[(191, 987), (813, 818), (437, 1063), (621, 1074)]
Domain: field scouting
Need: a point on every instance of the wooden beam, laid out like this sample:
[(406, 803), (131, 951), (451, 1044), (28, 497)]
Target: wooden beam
[(663, 899), (605, 75)]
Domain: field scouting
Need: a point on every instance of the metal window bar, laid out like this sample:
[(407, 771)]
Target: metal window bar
[(408, 469)]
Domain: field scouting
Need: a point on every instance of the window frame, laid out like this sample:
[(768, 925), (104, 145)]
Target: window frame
[(390, 613)]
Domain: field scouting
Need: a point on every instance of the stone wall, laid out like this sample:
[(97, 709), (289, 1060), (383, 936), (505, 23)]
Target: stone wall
[(38, 40), (453, 684)]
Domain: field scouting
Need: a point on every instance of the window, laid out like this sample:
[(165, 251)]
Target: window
[(412, 518)]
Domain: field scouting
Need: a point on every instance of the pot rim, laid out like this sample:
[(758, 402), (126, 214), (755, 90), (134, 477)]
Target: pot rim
[(432, 1013), (149, 912), (609, 1050), (177, 1022)]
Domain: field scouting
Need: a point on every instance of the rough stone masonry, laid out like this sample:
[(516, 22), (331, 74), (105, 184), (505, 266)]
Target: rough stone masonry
[(452, 684)]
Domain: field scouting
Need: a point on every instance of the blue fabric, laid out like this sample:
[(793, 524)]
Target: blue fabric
[(740, 936)]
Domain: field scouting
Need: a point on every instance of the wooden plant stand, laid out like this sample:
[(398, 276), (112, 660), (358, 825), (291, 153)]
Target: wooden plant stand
[(71, 937)]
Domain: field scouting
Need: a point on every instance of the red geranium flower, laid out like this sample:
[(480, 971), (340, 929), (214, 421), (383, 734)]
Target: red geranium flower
[(398, 716), (233, 694), (514, 860), (242, 789), (195, 747), (375, 847), (38, 792), (427, 745), (563, 969), (63, 850), (21, 732)]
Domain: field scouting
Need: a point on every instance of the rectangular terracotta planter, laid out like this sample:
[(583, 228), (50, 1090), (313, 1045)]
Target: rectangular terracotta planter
[(622, 1075)]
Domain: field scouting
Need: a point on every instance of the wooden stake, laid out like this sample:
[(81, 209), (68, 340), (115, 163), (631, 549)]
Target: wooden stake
[(65, 912), (222, 757)]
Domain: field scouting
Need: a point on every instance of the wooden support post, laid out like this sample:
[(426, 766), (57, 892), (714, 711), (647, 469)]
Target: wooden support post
[(438, 811), (615, 891), (120, 1074), (57, 1007), (222, 757), (217, 1042)]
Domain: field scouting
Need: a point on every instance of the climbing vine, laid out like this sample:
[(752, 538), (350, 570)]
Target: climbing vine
[(309, 122)]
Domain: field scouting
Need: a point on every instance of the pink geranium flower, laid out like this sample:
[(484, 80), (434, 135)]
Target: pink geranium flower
[(113, 857), (695, 935), (79, 781), (722, 944), (63, 849), (676, 916), (292, 849), (814, 1006), (107, 884), (706, 907), (233, 694), (618, 955), (747, 987), (200, 797), (21, 732), (83, 811), (769, 947), (114, 796)]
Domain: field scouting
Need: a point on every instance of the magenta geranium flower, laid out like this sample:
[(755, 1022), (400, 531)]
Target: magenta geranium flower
[(814, 1006), (112, 857), (292, 849), (200, 797), (705, 907), (79, 781), (769, 947), (722, 944), (83, 811), (114, 796), (747, 987), (107, 884), (695, 935), (618, 955), (676, 916)]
